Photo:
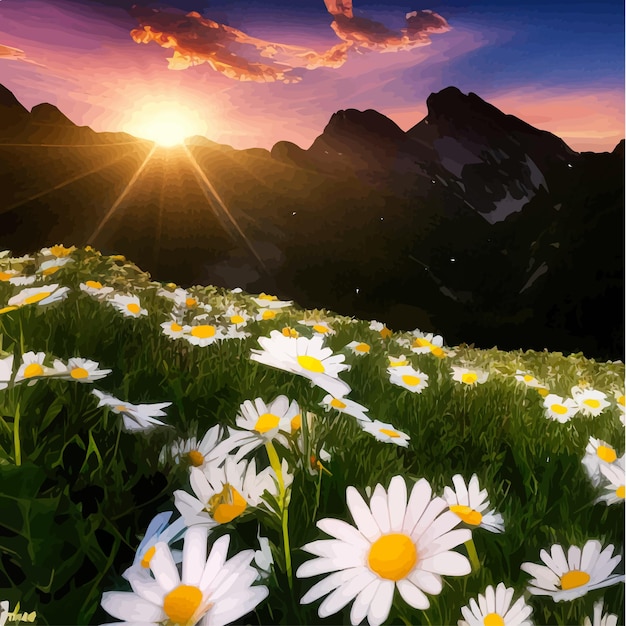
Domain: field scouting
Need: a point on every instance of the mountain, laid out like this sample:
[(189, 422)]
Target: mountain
[(472, 223)]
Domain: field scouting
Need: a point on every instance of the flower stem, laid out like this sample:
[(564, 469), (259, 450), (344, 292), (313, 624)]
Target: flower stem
[(282, 502), (16, 436), (473, 555)]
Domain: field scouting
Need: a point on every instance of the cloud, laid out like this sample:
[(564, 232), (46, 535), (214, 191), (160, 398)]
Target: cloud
[(15, 54), (195, 40)]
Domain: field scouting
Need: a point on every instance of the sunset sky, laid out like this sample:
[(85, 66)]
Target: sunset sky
[(250, 73)]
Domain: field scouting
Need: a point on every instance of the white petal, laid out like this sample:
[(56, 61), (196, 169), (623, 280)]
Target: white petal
[(381, 603), (379, 508), (344, 594), (328, 584), (426, 581), (418, 501), (460, 489), (215, 562), (447, 564), (361, 514), (344, 531), (361, 603), (396, 502), (194, 554), (129, 606), (163, 567), (413, 596)]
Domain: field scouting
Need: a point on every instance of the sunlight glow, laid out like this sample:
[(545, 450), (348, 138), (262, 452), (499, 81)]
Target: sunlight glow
[(166, 123)]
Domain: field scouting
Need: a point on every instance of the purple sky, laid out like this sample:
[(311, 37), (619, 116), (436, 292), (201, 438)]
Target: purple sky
[(558, 66)]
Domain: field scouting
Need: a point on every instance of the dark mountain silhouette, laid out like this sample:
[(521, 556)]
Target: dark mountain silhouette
[(473, 223)]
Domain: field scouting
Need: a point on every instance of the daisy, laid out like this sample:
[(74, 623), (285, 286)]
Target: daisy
[(203, 334), (359, 348), (380, 328), (194, 453), (398, 361), (597, 453), (4, 612), (290, 332), (47, 268), (173, 329), (527, 379), (423, 343), (130, 306), (32, 368), (80, 370), (344, 405), (396, 544), (259, 423), (409, 378), (212, 591), (385, 432), (235, 332), (494, 609), (95, 289), (589, 401), (6, 371), (40, 295), (21, 281), (566, 578), (306, 357), (271, 302), (559, 409), (223, 492), (58, 251), (469, 503), (6, 275), (265, 315), (469, 377), (320, 328), (135, 416), (237, 316), (608, 619), (614, 476)]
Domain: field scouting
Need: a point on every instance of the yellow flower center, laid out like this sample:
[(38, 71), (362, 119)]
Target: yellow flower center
[(467, 514), (269, 315), (196, 458), (574, 578), (122, 408), (397, 363), (389, 433), (226, 505), (558, 408), (319, 328), (469, 378), (338, 404), (266, 422), (438, 352), (620, 400), (6, 309), (592, 403), (134, 308), (411, 381), (51, 270), (528, 378), (264, 296), (296, 422), (606, 454), (290, 332), (34, 369), (543, 392), (191, 302), (147, 557), (79, 372), (619, 492), (392, 556), (37, 297), (176, 328), (362, 347), (493, 619), (204, 331), (311, 364), (94, 284), (6, 275), (181, 603), (59, 251), (385, 332), (420, 342), (237, 319)]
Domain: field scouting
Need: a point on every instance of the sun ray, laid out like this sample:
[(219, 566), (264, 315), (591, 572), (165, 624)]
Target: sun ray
[(159, 227), (214, 197), (62, 184), (121, 197), (70, 145)]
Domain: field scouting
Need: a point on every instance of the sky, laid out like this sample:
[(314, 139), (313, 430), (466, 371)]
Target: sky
[(249, 73)]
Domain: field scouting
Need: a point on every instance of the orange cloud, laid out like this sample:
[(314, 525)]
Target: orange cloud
[(15, 54), (196, 40)]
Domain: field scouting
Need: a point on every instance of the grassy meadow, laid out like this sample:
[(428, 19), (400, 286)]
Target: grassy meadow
[(88, 343)]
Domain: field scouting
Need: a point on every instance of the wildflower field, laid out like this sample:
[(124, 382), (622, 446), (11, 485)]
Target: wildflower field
[(204, 456)]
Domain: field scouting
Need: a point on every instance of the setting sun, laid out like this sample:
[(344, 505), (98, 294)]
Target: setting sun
[(167, 124)]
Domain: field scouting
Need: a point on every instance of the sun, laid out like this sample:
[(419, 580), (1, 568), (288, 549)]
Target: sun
[(167, 124)]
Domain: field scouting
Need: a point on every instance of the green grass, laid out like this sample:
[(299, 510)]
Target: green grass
[(77, 497)]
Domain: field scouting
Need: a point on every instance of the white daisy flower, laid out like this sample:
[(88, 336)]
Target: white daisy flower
[(39, 295), (194, 453), (212, 591), (396, 544), (359, 348), (527, 379), (494, 609), (469, 503), (398, 361), (271, 302), (265, 315), (47, 268), (6, 371), (4, 612), (237, 316), (385, 432), (566, 578), (344, 405), (259, 423), (608, 619), (263, 558), (33, 368), (590, 401), (618, 394), (306, 357), (614, 482), (380, 328), (173, 329), (21, 281), (8, 274), (95, 289), (58, 251), (235, 332), (597, 453), (319, 327), (135, 416), (203, 334), (408, 377), (130, 306), (559, 409), (469, 377), (223, 492), (423, 343), (80, 370)]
